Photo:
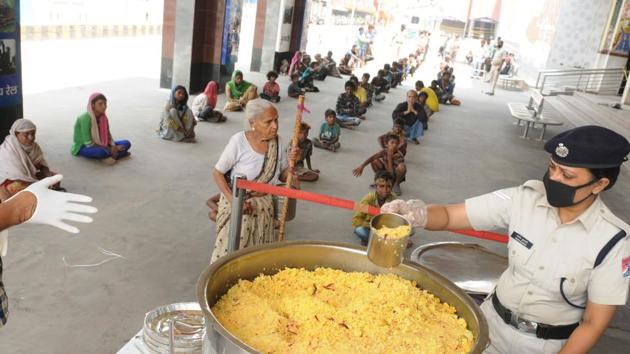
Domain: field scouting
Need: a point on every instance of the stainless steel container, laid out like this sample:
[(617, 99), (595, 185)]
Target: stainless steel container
[(268, 259), (470, 266), (174, 328), (383, 251)]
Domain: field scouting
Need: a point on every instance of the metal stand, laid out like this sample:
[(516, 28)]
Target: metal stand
[(236, 216)]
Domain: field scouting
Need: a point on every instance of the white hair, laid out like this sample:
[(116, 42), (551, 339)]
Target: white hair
[(255, 109)]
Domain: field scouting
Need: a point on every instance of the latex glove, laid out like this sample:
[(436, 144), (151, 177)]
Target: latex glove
[(414, 210), (54, 207)]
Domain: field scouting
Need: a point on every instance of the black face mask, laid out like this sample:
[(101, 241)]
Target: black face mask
[(560, 195)]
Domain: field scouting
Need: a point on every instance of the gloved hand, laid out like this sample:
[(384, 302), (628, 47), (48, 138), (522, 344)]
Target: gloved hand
[(414, 210), (53, 207)]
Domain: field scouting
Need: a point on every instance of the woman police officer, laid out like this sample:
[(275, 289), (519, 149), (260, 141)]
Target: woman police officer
[(569, 256)]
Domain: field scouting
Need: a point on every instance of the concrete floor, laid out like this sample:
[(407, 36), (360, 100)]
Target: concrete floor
[(152, 206)]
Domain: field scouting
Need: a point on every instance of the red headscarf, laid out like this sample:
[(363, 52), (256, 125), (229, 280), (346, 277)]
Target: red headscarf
[(100, 125), (211, 93)]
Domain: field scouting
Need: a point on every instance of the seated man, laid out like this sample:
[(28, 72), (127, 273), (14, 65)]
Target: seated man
[(397, 129), (22, 159), (412, 113), (92, 137), (348, 106), (389, 159), (382, 194)]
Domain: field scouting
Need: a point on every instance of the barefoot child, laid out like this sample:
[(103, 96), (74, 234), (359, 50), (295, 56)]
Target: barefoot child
[(329, 133), (271, 89)]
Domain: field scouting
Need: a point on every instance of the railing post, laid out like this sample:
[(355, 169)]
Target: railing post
[(236, 215)]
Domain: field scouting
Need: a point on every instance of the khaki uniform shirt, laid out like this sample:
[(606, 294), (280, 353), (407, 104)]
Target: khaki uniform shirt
[(542, 250)]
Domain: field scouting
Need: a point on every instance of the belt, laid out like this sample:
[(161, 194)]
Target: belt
[(541, 330)]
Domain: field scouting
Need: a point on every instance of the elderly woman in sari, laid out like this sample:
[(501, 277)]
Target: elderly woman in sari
[(258, 154), (204, 105), (92, 137), (238, 92), (177, 122), (22, 159)]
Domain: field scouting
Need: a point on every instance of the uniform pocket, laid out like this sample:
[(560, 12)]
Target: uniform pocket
[(574, 284)]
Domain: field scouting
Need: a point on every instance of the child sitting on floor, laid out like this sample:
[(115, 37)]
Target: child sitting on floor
[(389, 159), (305, 173), (348, 111), (329, 133), (369, 89), (294, 89), (397, 129), (306, 80), (271, 90), (382, 194), (380, 86)]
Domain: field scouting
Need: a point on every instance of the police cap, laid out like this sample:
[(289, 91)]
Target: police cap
[(589, 146)]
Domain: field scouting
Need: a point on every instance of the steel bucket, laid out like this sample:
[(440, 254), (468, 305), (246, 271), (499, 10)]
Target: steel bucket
[(268, 259), (383, 251)]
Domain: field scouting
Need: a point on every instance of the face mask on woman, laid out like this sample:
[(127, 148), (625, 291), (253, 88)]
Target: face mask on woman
[(560, 195)]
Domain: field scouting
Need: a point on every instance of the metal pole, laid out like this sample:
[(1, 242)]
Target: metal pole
[(236, 216)]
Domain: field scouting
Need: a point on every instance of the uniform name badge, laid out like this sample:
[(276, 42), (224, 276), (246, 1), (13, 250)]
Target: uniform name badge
[(625, 267), (522, 240)]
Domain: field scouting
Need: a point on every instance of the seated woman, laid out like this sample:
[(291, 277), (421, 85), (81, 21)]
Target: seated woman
[(238, 92), (92, 137), (22, 160), (177, 122), (257, 154), (204, 104)]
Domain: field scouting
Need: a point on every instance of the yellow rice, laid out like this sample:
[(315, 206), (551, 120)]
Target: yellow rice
[(394, 232), (332, 311)]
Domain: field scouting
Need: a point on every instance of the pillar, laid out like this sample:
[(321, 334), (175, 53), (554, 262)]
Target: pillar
[(10, 70), (198, 43)]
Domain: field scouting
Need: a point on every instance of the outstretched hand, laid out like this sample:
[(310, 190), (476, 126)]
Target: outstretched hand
[(53, 208)]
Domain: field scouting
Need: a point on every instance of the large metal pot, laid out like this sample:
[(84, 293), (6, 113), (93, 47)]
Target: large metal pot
[(268, 259)]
